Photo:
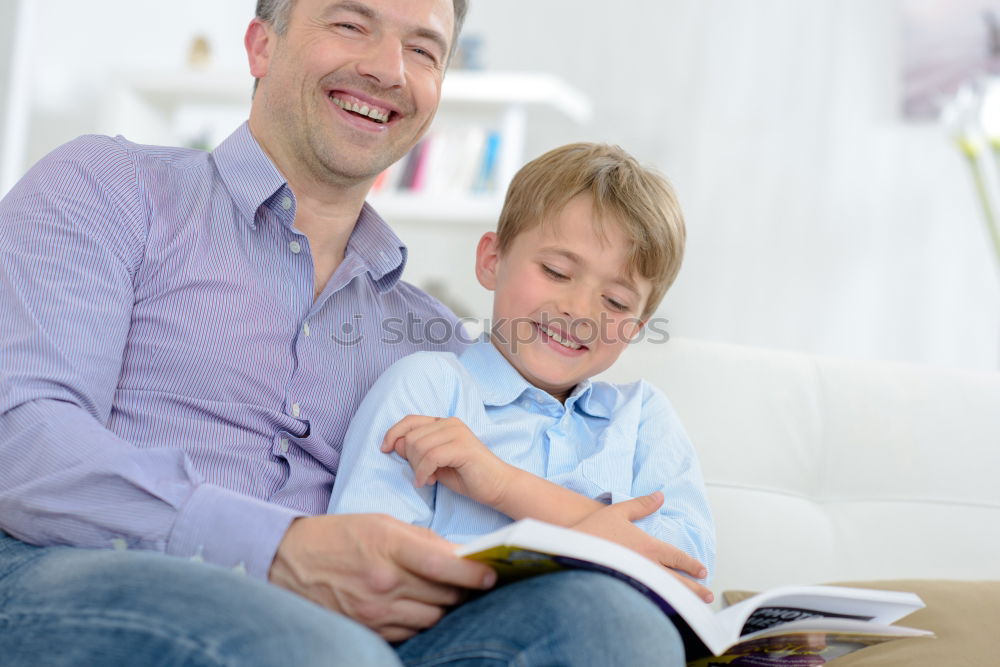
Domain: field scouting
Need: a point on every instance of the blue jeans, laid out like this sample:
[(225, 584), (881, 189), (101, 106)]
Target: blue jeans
[(65, 606)]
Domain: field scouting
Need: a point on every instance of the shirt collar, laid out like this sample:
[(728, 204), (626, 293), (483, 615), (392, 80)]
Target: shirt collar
[(252, 179), (247, 172), (500, 383), (378, 247)]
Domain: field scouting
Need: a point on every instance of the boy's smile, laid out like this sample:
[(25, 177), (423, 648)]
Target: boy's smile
[(566, 303)]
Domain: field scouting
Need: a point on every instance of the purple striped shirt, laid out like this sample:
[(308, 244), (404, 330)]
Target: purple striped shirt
[(167, 381)]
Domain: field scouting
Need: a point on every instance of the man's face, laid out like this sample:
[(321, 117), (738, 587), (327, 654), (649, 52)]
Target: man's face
[(351, 86), (565, 304)]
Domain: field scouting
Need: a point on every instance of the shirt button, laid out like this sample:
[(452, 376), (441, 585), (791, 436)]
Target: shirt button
[(306, 330), (295, 247), (286, 202), (296, 409), (283, 445)]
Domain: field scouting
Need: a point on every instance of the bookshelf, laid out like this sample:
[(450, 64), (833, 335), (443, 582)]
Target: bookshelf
[(201, 108)]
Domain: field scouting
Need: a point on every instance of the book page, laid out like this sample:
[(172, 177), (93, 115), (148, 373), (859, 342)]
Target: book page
[(798, 602), (808, 643)]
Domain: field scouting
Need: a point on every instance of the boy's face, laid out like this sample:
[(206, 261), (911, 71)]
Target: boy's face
[(565, 303)]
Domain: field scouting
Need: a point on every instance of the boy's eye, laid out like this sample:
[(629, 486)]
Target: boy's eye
[(617, 305), (552, 273)]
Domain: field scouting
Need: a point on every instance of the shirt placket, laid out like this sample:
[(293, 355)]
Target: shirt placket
[(294, 247)]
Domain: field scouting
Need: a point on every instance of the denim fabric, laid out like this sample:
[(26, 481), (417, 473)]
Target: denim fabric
[(576, 618), (62, 606)]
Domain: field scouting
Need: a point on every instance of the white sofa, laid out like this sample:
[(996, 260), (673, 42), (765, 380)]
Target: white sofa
[(821, 469)]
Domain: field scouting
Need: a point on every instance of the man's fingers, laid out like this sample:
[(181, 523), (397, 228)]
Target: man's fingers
[(432, 559), (400, 617)]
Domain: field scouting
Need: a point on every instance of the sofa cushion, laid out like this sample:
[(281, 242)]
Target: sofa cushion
[(964, 615)]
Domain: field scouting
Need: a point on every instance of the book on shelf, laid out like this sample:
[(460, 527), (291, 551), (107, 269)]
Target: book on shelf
[(457, 160), (766, 629)]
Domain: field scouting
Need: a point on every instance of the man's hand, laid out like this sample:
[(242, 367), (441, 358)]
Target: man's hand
[(445, 450), (394, 578), (614, 522)]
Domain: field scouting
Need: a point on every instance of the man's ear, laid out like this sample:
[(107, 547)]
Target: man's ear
[(487, 258), (259, 41)]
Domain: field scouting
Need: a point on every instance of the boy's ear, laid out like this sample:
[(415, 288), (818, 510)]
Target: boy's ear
[(635, 326), (259, 41), (487, 258)]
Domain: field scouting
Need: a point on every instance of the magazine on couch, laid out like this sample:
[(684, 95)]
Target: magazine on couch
[(768, 628)]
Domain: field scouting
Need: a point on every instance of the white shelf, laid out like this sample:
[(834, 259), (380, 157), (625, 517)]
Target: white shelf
[(164, 107), (412, 207), (172, 89), (504, 88)]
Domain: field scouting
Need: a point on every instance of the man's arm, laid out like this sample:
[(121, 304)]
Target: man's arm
[(72, 237)]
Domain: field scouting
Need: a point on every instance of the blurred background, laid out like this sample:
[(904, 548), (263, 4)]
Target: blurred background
[(830, 208)]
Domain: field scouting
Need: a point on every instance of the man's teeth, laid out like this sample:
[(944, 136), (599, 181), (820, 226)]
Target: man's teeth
[(559, 339), (364, 110)]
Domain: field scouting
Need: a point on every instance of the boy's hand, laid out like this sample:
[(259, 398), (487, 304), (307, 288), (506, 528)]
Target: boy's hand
[(614, 522), (445, 450)]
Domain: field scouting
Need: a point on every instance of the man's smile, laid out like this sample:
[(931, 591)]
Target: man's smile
[(365, 109)]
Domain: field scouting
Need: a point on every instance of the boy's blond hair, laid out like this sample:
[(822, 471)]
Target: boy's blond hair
[(639, 200)]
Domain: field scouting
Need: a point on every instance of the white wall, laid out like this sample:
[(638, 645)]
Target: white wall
[(9, 164), (818, 219), (8, 23)]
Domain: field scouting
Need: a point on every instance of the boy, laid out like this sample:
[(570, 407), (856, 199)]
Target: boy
[(587, 244)]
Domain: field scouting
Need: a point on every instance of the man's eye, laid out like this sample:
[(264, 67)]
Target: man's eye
[(426, 54), (347, 26)]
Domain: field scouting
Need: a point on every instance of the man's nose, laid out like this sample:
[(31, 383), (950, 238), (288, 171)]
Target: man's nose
[(383, 63)]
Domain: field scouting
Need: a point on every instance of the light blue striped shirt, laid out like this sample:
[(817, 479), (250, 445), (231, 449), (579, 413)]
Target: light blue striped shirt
[(608, 442), (167, 380)]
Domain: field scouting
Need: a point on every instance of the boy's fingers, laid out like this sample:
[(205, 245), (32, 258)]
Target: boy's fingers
[(422, 442), (637, 508), (433, 457), (401, 428), (697, 588), (670, 556)]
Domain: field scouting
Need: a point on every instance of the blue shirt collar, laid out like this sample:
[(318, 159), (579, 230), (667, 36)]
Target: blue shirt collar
[(252, 179), (500, 384)]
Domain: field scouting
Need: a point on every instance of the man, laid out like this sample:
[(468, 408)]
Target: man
[(185, 337)]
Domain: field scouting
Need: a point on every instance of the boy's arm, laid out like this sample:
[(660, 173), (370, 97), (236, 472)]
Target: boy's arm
[(446, 451), (665, 460), (369, 480)]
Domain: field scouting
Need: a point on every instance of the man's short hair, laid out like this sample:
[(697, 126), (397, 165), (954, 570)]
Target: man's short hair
[(623, 192), (278, 13)]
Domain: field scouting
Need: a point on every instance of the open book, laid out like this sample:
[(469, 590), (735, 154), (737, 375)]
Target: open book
[(827, 621)]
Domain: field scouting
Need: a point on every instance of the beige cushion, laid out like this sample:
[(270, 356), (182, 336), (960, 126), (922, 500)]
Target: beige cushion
[(965, 616)]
